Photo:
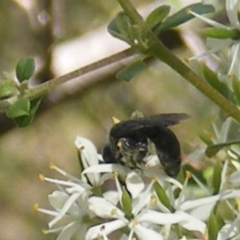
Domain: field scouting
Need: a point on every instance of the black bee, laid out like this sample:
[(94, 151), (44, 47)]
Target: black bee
[(129, 141)]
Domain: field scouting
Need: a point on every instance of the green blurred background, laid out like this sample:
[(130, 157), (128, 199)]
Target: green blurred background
[(63, 35)]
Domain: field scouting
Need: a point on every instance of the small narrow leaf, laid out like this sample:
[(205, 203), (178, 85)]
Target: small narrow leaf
[(19, 108), (221, 33), (214, 149), (25, 69), (7, 88), (124, 25), (163, 198), (24, 121), (127, 203), (184, 15), (131, 71), (217, 177), (236, 89), (212, 79), (119, 27), (156, 17), (213, 227)]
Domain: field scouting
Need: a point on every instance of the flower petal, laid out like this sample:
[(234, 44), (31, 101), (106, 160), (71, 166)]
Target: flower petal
[(67, 205), (232, 12), (134, 184), (101, 168), (111, 196), (228, 231), (108, 228), (144, 233), (57, 199), (89, 157), (103, 208), (68, 231), (184, 219)]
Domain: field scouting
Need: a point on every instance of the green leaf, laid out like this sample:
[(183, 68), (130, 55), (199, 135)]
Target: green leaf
[(236, 89), (156, 17), (127, 203), (131, 70), (217, 177), (183, 16), (221, 33), (214, 149), (212, 79), (119, 27), (19, 108), (24, 121), (7, 88), (162, 196), (25, 69), (213, 227)]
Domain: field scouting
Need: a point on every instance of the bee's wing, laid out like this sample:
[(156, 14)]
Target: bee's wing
[(134, 126), (163, 120), (127, 129)]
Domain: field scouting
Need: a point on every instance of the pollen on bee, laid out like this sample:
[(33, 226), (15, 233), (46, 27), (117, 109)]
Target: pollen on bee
[(119, 144)]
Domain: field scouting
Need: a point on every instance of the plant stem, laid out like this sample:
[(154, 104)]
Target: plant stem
[(158, 50), (47, 87), (131, 11)]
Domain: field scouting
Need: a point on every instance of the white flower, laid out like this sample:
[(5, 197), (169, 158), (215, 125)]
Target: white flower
[(228, 231), (70, 204), (217, 45), (142, 221), (143, 202), (88, 157), (70, 201)]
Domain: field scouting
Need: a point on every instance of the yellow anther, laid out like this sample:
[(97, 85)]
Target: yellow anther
[(52, 166), (35, 207), (134, 222), (153, 200), (115, 120), (115, 174), (188, 174), (154, 179), (41, 177), (114, 212)]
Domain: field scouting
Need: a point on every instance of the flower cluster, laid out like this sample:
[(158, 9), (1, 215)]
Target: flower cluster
[(224, 41), (111, 201)]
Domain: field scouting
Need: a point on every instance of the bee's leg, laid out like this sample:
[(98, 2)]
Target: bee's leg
[(108, 155)]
